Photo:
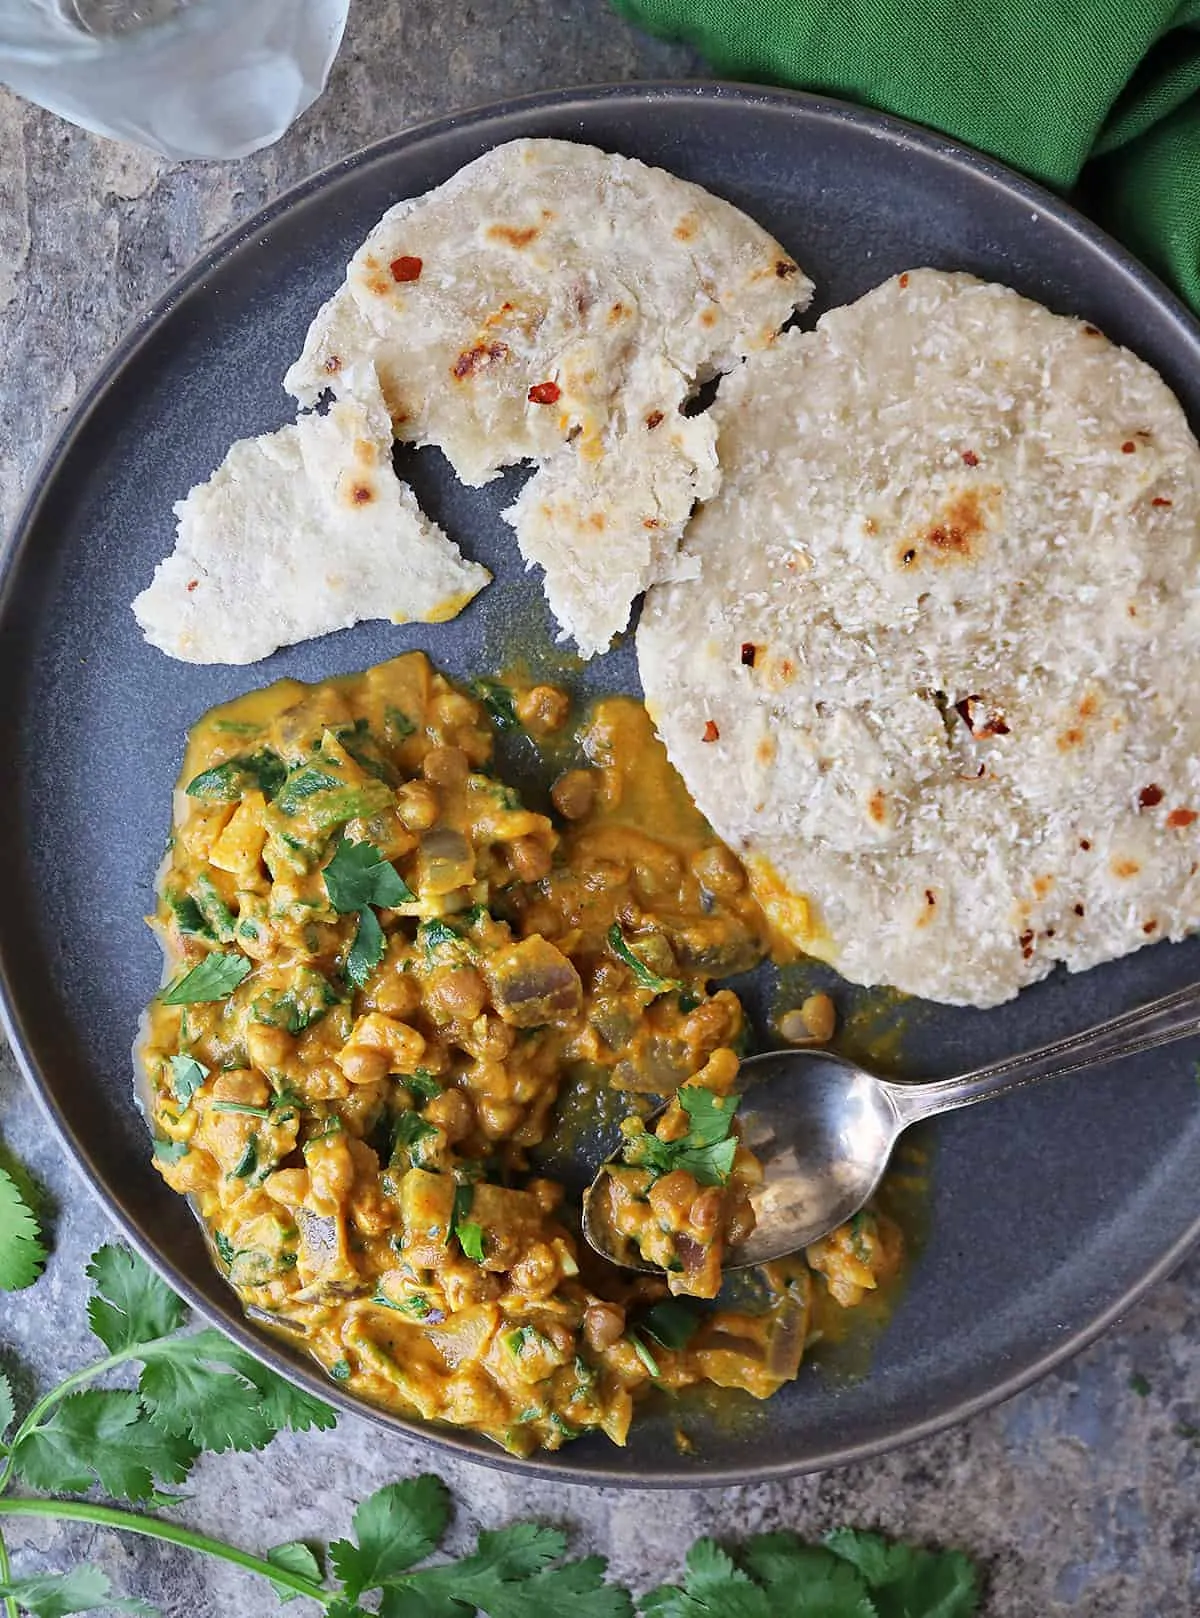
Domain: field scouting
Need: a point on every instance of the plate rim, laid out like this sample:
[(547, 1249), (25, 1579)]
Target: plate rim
[(465, 1446)]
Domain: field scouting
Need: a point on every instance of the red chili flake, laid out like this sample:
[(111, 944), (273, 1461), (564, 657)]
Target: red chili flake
[(192, 583), (1149, 796), (970, 457), (1159, 500), (749, 653), (361, 494), (904, 279), (407, 268), (545, 393), (1026, 943), (1128, 447), (711, 733), (1181, 817), (993, 723)]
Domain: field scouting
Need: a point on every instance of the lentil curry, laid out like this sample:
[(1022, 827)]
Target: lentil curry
[(381, 965)]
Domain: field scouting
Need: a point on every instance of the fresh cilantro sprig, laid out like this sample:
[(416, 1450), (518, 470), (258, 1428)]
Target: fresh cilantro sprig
[(708, 1148), (356, 878), (853, 1575), (213, 978), (358, 875)]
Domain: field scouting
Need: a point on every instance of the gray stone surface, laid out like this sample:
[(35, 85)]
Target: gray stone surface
[(1078, 1496)]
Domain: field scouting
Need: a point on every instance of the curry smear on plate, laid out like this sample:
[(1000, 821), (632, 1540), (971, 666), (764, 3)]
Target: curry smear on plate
[(382, 968)]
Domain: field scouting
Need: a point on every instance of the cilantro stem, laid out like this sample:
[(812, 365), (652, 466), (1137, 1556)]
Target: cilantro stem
[(10, 1602), (153, 1528), (68, 1385)]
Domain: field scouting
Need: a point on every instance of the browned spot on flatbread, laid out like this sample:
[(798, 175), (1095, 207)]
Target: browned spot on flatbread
[(333, 365), (877, 807), (473, 360), (1089, 706), (514, 235), (1042, 886), (1179, 818), (686, 228), (955, 533), (1124, 867), (361, 494), (1071, 737)]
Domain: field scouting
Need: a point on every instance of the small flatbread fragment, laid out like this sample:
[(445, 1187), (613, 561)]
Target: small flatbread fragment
[(298, 533), (558, 304), (935, 679)]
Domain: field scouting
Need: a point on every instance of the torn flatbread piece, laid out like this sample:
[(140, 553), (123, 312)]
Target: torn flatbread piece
[(558, 304), (298, 533), (935, 678)]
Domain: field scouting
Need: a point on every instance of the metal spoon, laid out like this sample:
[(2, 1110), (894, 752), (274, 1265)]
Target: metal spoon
[(824, 1128)]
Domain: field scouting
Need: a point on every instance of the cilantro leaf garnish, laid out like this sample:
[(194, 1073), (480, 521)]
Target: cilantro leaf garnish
[(358, 876), (708, 1148), (907, 1579), (170, 1151), (21, 1252), (394, 1528), (644, 976), (302, 783), (366, 951), (410, 1129), (672, 1322), (130, 1304), (213, 978), (423, 1084), (468, 1231), (84, 1589), (498, 700), (470, 1239), (263, 771), (643, 1353), (187, 1075), (295, 1557), (101, 1436)]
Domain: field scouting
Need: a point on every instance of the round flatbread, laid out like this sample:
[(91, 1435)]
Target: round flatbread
[(559, 304), (935, 678)]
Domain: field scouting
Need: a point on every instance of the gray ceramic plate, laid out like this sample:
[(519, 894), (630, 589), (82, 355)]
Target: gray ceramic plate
[(1050, 1211)]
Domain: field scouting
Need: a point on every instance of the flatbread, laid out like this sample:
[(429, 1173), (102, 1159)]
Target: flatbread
[(558, 304), (936, 677), (298, 533)]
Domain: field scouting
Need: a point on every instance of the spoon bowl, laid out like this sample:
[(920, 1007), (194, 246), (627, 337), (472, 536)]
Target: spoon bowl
[(823, 1128)]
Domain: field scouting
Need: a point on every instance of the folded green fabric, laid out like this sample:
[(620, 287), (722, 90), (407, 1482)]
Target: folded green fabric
[(1067, 90)]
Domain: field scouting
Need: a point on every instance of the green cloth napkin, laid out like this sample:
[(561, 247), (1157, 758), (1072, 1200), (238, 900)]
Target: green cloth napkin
[(1099, 94)]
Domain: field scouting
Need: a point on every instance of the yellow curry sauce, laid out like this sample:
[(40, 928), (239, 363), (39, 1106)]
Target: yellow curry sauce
[(381, 966)]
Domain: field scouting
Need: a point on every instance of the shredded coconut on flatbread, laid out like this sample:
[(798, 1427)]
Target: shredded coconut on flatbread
[(298, 533), (935, 678), (558, 304)]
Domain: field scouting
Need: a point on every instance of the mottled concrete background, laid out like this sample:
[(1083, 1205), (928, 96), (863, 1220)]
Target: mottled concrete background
[(1078, 1497)]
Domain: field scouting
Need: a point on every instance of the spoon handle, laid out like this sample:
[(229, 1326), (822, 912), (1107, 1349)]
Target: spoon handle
[(1175, 1016)]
